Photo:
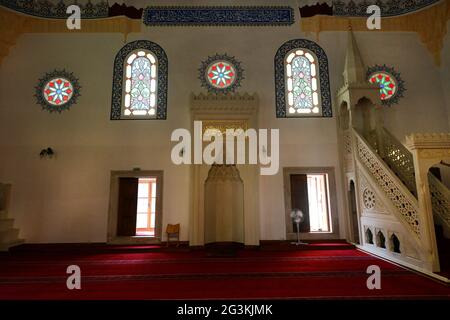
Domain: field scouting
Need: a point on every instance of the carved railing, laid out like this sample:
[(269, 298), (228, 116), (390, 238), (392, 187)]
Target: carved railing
[(347, 142), (348, 155), (398, 158), (372, 140), (440, 199), (405, 203)]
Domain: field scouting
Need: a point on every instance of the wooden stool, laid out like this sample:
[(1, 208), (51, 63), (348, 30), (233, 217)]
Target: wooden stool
[(173, 230)]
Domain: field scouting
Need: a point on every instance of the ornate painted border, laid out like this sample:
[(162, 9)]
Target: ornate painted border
[(206, 63), (47, 9), (280, 90), (398, 79), (212, 15), (161, 104), (39, 90), (218, 16), (388, 8)]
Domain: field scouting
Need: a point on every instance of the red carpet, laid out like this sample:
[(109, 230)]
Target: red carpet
[(134, 272)]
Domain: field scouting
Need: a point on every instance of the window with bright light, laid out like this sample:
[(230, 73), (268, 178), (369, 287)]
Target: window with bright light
[(302, 85), (146, 207), (318, 200), (140, 84)]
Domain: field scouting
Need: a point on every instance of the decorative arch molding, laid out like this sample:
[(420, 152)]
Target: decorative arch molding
[(236, 103), (223, 111), (351, 8), (117, 88), (431, 34), (13, 24), (280, 77), (57, 9)]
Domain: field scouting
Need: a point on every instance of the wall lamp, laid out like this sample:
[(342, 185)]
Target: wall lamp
[(47, 153)]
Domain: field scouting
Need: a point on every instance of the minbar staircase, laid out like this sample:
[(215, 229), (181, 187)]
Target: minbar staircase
[(9, 236), (400, 162)]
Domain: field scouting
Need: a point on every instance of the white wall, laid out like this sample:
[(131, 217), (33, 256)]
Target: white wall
[(65, 199)]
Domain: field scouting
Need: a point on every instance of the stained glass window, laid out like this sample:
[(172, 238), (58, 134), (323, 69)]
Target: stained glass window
[(221, 74), (301, 83), (390, 82), (140, 84), (58, 91), (387, 83)]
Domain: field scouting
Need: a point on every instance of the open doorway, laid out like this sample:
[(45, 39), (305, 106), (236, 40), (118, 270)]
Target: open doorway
[(311, 190), (146, 207), (309, 193), (439, 183), (135, 207)]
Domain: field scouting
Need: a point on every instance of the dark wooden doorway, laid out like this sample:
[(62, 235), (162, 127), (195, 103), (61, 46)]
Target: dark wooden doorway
[(353, 212), (299, 199), (127, 207)]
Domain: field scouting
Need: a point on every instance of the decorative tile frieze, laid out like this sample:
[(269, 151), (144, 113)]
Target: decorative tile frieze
[(57, 10), (218, 16), (388, 7)]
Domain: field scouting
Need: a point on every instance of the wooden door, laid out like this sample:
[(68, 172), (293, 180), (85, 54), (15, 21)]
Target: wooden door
[(299, 199), (127, 208)]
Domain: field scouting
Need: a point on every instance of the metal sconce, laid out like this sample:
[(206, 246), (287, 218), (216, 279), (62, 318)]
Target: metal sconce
[(47, 153)]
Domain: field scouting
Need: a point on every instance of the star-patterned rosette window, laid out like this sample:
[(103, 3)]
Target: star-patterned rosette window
[(220, 74), (57, 91), (389, 81)]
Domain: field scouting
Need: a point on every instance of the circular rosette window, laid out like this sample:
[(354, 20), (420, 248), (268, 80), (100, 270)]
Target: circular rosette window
[(220, 74), (389, 81), (57, 91)]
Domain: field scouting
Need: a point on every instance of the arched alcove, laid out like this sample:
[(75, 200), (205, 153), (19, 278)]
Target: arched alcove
[(365, 117), (224, 205), (381, 240), (221, 112), (344, 117), (395, 243), (369, 236), (353, 212)]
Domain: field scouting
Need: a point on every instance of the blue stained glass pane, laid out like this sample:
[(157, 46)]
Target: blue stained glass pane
[(140, 84), (301, 76)]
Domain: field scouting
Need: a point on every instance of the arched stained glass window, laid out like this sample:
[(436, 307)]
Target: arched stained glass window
[(302, 87), (140, 82), (301, 80)]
